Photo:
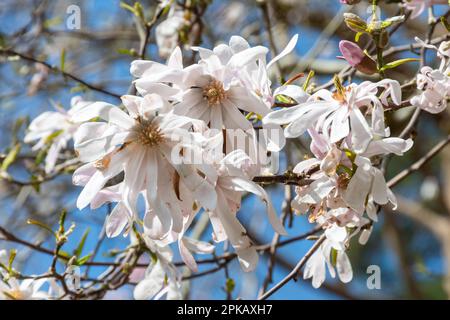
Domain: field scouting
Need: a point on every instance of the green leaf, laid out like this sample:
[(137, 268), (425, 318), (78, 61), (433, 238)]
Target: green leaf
[(333, 256), (52, 136), (308, 80), (77, 252), (358, 36), (130, 52), (65, 254), (445, 23), (11, 157), (40, 156), (12, 256), (126, 6), (36, 184), (281, 98), (41, 225), (63, 59), (83, 260), (52, 22), (229, 285), (78, 88), (397, 63), (62, 220)]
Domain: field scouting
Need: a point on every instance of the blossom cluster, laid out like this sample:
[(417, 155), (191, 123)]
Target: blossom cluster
[(167, 154)]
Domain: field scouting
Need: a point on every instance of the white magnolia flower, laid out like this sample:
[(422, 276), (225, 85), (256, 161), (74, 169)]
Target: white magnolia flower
[(28, 289), (54, 129), (434, 83), (161, 277), (167, 32), (322, 259), (145, 143), (234, 180), (165, 79), (215, 94), (419, 6), (368, 180), (334, 114)]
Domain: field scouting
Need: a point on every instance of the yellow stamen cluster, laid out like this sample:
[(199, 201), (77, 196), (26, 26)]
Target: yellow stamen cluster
[(148, 134), (214, 93)]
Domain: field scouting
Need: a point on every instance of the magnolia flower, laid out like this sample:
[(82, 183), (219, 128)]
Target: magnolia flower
[(335, 113), (167, 31), (435, 87), (53, 130), (161, 277), (235, 174), (368, 180), (145, 143), (28, 289), (165, 79), (317, 264), (434, 84), (419, 6), (215, 94), (327, 159)]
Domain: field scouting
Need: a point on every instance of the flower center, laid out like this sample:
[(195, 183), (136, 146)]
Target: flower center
[(214, 92), (147, 133)]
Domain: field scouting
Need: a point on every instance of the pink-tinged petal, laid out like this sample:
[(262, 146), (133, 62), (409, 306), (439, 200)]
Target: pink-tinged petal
[(305, 165), (248, 258), (99, 179), (187, 256), (176, 59), (344, 268), (82, 175), (219, 233), (315, 269), (109, 194), (365, 235), (379, 187), (198, 246), (53, 153), (358, 189), (151, 285), (351, 52), (116, 221), (318, 190), (393, 145)]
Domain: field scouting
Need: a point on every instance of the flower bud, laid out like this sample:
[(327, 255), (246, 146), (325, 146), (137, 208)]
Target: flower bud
[(354, 22), (357, 58)]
